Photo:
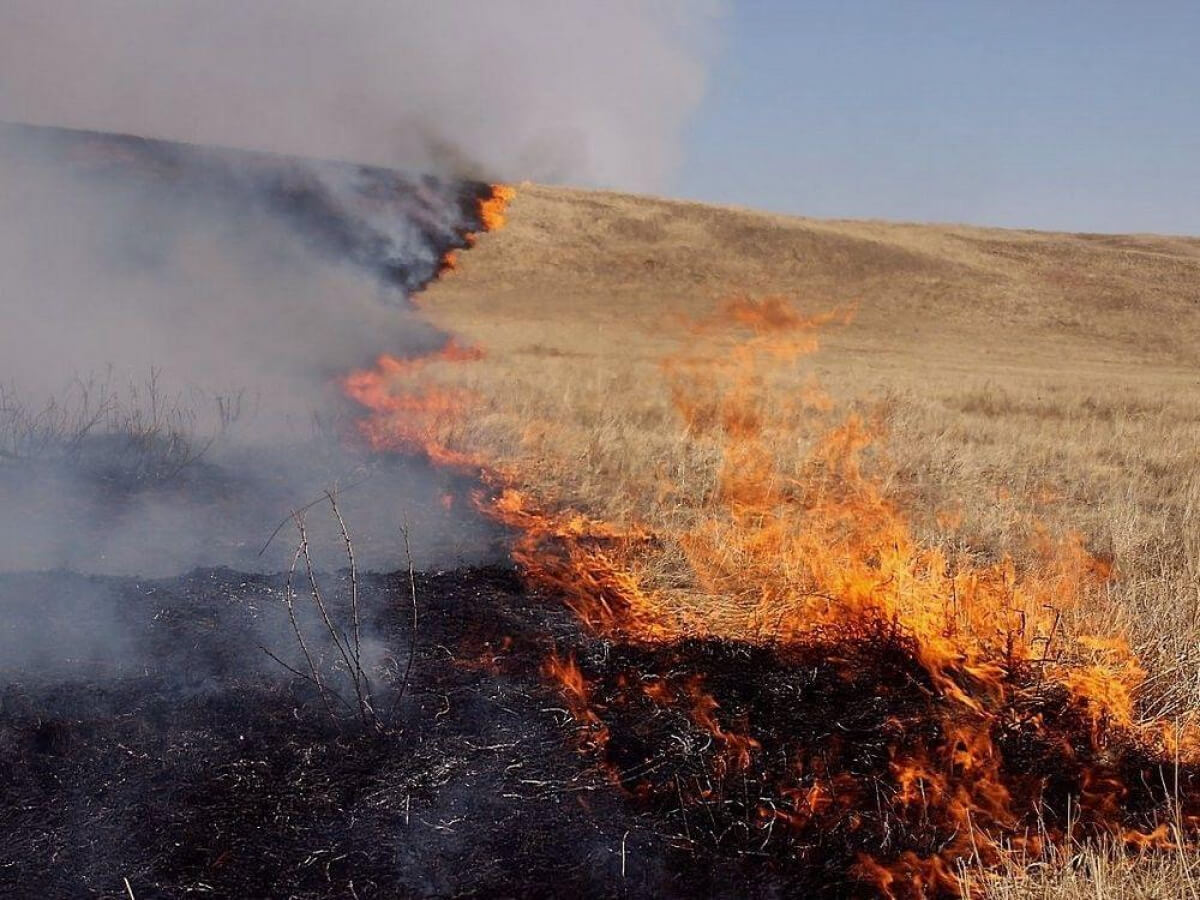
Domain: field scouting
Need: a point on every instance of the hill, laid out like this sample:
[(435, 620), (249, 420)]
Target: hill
[(1018, 387), (1012, 371)]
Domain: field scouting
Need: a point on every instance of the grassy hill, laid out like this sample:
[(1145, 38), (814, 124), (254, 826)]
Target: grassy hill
[(1058, 371), (1016, 382), (1023, 297)]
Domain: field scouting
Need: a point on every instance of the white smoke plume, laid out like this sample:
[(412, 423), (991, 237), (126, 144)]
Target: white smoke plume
[(550, 90), (157, 265)]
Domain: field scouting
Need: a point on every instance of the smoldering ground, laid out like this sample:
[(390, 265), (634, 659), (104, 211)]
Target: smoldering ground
[(181, 770), (205, 731), (175, 324), (176, 320)]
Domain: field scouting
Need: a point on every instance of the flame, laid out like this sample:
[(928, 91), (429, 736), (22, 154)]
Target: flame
[(739, 747), (409, 415), (582, 560), (493, 208), (820, 557), (567, 674)]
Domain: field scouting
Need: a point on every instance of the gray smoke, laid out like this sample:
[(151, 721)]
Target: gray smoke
[(247, 278), (104, 277), (175, 325), (551, 90), (140, 284)]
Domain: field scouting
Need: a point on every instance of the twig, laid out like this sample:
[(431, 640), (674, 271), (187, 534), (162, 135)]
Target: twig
[(340, 699), (412, 641), (305, 508), (357, 646), (356, 674), (290, 600)]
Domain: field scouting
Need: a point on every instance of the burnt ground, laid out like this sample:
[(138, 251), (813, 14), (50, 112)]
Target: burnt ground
[(186, 761), (145, 735), (152, 748)]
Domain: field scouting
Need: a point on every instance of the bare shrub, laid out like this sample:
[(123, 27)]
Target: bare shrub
[(137, 434), (330, 639)]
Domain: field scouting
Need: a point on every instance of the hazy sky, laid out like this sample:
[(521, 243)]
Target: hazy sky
[(1073, 114), (1079, 115)]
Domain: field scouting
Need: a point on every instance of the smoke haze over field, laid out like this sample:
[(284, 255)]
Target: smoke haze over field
[(142, 281), (187, 262), (539, 89), (262, 278)]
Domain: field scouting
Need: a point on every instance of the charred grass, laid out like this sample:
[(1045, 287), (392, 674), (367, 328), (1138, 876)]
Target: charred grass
[(190, 764)]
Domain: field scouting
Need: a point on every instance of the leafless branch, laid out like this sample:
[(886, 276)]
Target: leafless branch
[(412, 642), (290, 600), (357, 676)]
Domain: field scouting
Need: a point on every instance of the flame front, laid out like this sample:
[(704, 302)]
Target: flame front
[(982, 723), (492, 209)]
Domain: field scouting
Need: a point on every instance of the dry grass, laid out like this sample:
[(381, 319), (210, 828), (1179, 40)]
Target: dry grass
[(1089, 873), (1018, 376)]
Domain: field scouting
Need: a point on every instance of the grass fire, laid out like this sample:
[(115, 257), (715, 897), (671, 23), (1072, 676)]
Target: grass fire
[(789, 674), (633, 548)]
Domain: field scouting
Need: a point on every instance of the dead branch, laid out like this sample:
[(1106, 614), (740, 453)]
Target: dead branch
[(412, 642), (357, 642), (290, 600), (358, 677)]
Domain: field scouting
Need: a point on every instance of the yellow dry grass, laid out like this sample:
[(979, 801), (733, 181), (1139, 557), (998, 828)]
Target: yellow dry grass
[(1018, 376)]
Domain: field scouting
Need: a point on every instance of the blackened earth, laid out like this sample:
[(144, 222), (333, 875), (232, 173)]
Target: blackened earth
[(146, 735), (190, 763)]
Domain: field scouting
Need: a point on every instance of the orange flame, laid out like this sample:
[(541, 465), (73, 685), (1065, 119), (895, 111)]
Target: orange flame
[(794, 555), (492, 209), (566, 673), (408, 416)]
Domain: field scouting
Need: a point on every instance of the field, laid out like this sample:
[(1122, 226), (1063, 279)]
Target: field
[(750, 555), (1013, 383)]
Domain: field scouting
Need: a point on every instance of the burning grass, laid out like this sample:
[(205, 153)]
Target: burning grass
[(841, 758), (794, 671)]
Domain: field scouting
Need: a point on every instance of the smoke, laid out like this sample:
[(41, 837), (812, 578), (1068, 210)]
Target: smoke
[(150, 282), (176, 321), (106, 274), (257, 281), (176, 318), (594, 93)]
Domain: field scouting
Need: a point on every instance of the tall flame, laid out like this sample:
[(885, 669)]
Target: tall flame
[(493, 209)]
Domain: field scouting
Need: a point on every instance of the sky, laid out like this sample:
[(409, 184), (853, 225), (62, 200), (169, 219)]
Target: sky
[(1081, 116)]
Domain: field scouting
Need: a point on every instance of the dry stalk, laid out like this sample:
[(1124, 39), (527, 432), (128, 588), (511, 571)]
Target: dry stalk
[(412, 643), (314, 674), (358, 677), (356, 645), (348, 647)]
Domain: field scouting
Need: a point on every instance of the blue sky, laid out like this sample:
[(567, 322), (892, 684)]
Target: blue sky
[(1063, 115)]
